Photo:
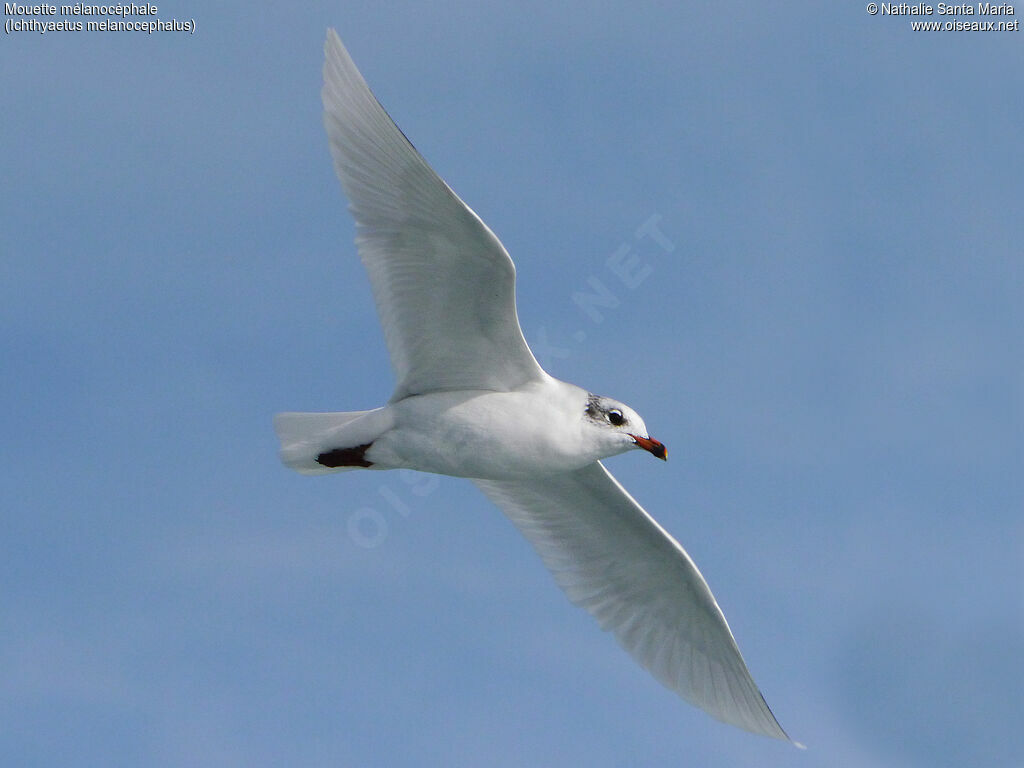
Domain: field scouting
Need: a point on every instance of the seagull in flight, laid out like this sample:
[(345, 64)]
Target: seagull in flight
[(472, 401)]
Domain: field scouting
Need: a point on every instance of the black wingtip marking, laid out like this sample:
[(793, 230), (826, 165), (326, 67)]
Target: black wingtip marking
[(345, 457)]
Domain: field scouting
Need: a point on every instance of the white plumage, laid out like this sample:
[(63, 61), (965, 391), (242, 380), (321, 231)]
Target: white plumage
[(472, 401)]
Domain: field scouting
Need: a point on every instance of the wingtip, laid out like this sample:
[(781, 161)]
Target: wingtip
[(332, 42), (786, 737)]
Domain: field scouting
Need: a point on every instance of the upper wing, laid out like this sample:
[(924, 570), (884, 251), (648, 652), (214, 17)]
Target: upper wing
[(613, 559), (443, 283)]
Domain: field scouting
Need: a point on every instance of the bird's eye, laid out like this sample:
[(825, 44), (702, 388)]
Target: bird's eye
[(616, 418)]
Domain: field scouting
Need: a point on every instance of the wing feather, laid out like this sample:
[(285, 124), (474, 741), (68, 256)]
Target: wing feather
[(443, 283), (614, 560)]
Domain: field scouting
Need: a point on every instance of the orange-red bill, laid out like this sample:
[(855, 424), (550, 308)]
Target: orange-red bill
[(651, 446)]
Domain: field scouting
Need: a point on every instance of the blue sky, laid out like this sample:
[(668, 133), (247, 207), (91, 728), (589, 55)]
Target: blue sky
[(828, 341)]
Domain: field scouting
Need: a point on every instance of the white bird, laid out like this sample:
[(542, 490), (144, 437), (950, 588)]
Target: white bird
[(472, 401)]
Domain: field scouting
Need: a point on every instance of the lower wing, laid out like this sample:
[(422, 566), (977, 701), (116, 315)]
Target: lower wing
[(614, 560)]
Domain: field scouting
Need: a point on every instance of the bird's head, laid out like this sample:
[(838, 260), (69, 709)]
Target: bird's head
[(618, 428)]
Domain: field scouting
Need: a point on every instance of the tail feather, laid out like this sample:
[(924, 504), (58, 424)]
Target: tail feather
[(304, 436)]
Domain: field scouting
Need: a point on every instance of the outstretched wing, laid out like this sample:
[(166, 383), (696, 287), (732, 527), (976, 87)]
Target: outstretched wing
[(443, 283), (613, 559)]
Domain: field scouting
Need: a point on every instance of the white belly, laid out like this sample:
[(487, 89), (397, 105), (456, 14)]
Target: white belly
[(494, 435)]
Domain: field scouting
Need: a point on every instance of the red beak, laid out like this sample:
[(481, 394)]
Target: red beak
[(651, 446)]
